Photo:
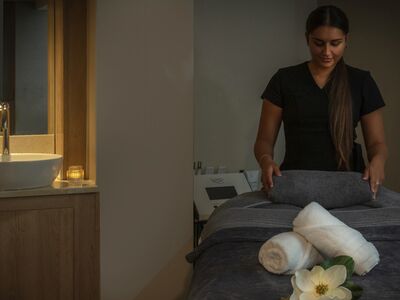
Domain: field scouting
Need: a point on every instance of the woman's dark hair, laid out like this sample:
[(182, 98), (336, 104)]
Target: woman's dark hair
[(340, 104)]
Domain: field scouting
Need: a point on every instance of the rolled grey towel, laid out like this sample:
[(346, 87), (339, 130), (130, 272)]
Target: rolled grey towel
[(329, 188)]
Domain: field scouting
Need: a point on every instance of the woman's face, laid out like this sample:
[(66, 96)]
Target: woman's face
[(327, 45)]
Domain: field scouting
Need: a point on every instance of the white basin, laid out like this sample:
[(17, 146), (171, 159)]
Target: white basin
[(28, 170)]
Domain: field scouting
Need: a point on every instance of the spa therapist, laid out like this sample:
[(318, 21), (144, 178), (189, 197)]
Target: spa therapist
[(320, 103)]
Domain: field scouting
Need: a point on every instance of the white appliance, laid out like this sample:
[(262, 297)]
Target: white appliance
[(211, 190)]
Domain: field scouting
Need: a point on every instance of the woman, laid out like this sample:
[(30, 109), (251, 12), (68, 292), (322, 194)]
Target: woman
[(320, 103)]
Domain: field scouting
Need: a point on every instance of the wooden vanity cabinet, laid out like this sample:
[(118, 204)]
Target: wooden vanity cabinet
[(49, 247)]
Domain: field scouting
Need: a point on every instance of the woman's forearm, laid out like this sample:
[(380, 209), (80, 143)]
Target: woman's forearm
[(263, 151), (268, 128), (377, 151)]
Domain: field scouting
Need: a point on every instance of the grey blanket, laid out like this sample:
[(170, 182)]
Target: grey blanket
[(330, 189), (226, 262)]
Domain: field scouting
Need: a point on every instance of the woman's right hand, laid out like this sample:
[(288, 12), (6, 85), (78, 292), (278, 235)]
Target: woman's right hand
[(268, 169)]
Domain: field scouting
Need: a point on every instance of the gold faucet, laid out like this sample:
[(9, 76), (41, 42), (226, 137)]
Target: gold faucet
[(5, 126)]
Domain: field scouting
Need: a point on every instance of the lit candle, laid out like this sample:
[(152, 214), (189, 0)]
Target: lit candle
[(75, 174)]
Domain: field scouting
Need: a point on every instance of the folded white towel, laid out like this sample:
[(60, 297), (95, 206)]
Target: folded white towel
[(287, 252), (332, 237)]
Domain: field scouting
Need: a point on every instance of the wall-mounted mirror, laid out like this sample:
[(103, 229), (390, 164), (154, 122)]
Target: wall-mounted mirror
[(26, 66)]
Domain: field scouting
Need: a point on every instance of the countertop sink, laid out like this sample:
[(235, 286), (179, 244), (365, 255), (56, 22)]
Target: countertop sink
[(28, 170)]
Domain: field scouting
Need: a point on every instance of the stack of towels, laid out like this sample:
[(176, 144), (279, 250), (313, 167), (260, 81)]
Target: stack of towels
[(316, 235)]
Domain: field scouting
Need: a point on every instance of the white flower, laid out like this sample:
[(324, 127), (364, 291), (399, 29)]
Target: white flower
[(296, 291), (320, 284)]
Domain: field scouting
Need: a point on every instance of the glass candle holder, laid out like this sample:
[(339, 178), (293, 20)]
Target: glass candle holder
[(75, 174)]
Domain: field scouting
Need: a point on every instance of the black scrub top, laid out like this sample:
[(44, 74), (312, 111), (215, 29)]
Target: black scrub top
[(305, 116)]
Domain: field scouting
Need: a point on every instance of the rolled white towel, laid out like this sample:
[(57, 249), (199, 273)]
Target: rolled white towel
[(332, 237), (287, 252)]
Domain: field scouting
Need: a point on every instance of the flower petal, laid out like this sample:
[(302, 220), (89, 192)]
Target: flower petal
[(327, 298), (341, 293), (317, 274), (296, 290), (303, 280), (294, 296), (293, 281), (308, 296), (335, 276)]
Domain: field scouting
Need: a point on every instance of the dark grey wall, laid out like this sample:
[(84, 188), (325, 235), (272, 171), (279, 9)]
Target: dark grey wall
[(238, 46)]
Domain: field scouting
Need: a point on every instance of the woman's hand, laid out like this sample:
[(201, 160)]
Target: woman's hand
[(268, 169), (375, 174), (374, 137)]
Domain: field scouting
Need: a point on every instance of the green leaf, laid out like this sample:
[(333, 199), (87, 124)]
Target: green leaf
[(355, 289), (344, 260)]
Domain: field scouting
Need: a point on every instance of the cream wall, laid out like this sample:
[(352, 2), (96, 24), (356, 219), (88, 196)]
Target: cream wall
[(374, 45), (41, 143), (238, 46), (144, 71)]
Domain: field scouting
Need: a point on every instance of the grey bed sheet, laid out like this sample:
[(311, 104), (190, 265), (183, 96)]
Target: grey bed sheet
[(226, 262)]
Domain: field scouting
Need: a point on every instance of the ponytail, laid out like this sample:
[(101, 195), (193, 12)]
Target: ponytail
[(340, 115)]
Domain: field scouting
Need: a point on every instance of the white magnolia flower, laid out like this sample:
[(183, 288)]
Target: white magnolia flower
[(320, 284)]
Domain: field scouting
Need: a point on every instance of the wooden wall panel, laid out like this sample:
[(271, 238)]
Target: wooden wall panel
[(91, 91), (59, 78), (71, 81), (75, 83)]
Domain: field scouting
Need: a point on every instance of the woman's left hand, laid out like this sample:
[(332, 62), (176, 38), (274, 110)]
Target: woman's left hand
[(375, 174), (374, 137)]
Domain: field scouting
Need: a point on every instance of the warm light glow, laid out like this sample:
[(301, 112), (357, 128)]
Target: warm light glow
[(75, 173)]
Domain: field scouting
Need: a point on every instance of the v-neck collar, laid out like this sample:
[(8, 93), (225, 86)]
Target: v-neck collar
[(311, 77)]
